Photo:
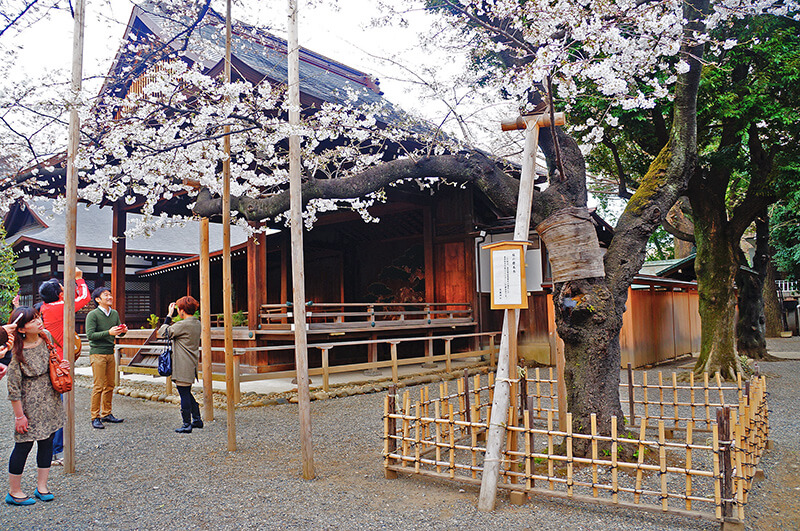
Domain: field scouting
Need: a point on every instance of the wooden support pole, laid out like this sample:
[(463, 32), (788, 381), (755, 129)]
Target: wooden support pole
[(632, 415), (118, 260), (298, 271), (227, 280), (205, 320), (393, 349), (326, 375), (70, 237)]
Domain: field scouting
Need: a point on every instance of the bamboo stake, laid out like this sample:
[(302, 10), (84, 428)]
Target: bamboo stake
[(715, 457), (393, 350), (550, 447), (538, 394), (689, 427), (660, 395), (594, 454), (632, 417), (448, 360), (205, 320), (705, 394), (528, 449), (452, 441), (569, 454), (740, 478), (614, 468), (386, 431), (675, 397), (662, 461), (325, 370), (417, 421), (719, 389), (644, 390), (406, 425), (474, 441), (691, 392), (723, 425), (640, 459), (462, 408), (70, 236), (438, 439)]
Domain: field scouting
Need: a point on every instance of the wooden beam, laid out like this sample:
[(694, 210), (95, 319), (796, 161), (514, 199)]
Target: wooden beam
[(118, 224), (256, 279)]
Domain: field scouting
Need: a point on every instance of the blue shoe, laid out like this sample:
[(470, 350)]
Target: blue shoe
[(27, 500), (48, 496)]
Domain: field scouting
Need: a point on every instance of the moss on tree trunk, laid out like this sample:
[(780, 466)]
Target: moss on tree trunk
[(716, 266)]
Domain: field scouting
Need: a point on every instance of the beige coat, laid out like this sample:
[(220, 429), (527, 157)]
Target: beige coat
[(185, 335)]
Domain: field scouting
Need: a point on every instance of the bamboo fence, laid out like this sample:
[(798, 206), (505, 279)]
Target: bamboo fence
[(705, 476)]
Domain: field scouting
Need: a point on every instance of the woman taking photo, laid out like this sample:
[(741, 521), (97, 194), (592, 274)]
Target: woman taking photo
[(37, 406), (185, 336)]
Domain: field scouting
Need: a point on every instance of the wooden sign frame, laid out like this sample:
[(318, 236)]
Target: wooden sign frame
[(509, 284)]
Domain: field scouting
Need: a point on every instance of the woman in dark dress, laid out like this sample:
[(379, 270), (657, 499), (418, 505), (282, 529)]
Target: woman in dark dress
[(38, 412)]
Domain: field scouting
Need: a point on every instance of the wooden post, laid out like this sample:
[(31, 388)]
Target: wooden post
[(325, 372), (393, 348), (632, 417), (205, 320), (118, 253), (494, 443), (298, 272), (227, 280), (726, 476), (70, 237)]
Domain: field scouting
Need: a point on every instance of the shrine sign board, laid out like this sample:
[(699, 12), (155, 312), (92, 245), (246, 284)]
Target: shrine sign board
[(509, 287)]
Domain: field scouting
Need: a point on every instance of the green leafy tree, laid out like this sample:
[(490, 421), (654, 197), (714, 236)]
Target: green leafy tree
[(9, 283)]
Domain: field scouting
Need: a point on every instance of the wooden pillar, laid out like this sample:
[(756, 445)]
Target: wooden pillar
[(100, 279), (256, 279), (427, 237), (118, 258), (34, 277), (205, 320)]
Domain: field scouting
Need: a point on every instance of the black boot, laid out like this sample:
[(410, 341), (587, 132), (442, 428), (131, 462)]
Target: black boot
[(187, 422), (197, 421)]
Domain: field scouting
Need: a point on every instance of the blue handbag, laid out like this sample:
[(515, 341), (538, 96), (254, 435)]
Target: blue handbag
[(165, 360)]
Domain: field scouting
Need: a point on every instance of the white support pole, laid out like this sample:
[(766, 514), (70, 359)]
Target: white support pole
[(71, 232), (298, 271), (494, 439)]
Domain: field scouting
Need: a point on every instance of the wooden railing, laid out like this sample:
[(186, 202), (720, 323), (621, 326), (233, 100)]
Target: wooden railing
[(326, 370), (368, 316)]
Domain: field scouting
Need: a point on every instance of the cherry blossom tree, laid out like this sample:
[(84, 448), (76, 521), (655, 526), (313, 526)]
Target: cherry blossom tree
[(148, 145)]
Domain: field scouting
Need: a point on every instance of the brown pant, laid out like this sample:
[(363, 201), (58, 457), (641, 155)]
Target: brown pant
[(103, 370)]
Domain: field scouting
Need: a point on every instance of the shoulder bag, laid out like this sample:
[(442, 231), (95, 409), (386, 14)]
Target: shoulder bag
[(165, 358), (59, 371)]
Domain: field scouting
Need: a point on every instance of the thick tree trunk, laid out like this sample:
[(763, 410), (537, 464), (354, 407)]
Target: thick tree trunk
[(589, 325), (751, 326), (716, 265), (772, 306)]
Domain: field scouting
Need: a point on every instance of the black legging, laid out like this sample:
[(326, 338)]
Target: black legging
[(44, 455), (188, 401)]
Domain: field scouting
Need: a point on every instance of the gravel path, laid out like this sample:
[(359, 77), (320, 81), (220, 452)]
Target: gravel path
[(142, 475)]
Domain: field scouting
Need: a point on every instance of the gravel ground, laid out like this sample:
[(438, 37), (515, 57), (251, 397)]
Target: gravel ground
[(142, 475)]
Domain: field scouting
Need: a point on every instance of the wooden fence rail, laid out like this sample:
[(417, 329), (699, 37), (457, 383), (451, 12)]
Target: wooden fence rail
[(709, 477)]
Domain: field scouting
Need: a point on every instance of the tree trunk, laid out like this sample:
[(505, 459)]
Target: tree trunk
[(716, 265), (751, 325), (589, 325), (772, 305)]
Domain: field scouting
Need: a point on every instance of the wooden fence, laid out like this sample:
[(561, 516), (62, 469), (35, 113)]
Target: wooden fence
[(705, 477)]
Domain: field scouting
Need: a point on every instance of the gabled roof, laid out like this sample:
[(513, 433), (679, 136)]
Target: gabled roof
[(677, 268), (256, 54), (94, 232)]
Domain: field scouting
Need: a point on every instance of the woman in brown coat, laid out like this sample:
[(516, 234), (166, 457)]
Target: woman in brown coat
[(38, 412), (185, 336)]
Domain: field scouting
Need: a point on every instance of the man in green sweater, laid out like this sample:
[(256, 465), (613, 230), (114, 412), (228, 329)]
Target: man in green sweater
[(102, 326)]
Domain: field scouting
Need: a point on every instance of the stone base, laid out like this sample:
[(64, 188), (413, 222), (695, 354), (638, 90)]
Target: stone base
[(389, 474), (517, 497), (758, 476), (669, 433), (770, 445), (294, 381), (427, 365), (372, 372)]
